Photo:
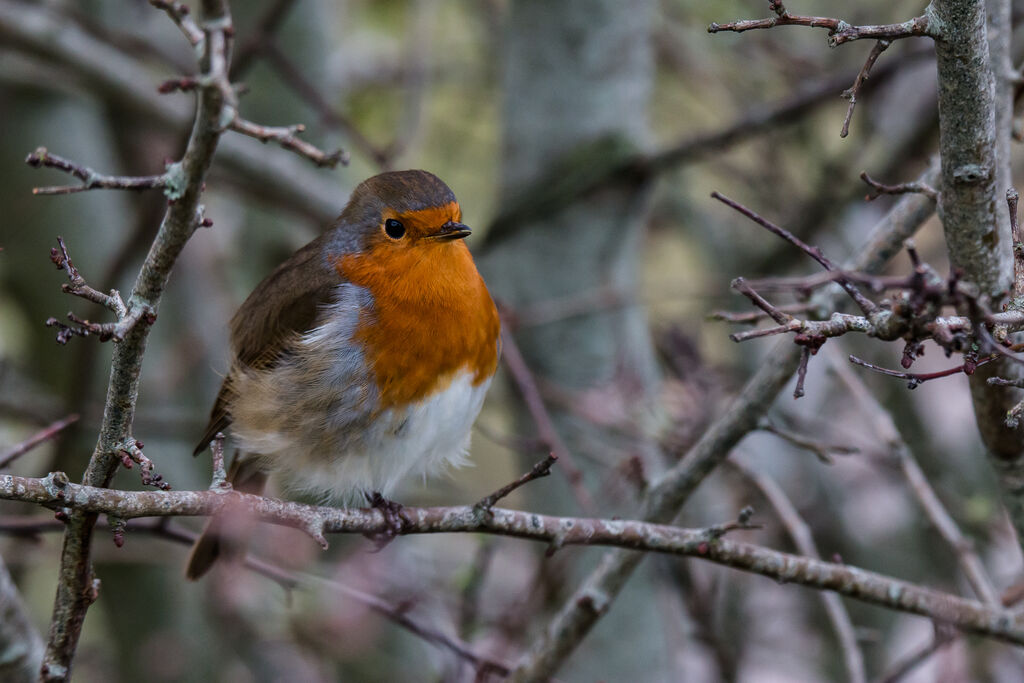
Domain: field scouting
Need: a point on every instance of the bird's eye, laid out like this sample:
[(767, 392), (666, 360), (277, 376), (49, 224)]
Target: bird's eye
[(394, 229)]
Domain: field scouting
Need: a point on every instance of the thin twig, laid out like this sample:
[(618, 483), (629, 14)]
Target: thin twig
[(18, 450), (903, 188), (539, 470), (851, 93), (286, 136), (884, 426), (91, 180), (822, 451), (914, 379), (800, 532), (815, 253), (524, 380)]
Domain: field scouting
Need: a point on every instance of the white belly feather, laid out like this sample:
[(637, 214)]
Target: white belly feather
[(422, 440)]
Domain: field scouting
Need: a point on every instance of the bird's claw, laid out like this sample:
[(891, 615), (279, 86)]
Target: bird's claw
[(395, 520)]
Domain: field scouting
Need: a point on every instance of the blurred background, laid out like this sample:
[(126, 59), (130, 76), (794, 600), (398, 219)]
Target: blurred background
[(540, 117)]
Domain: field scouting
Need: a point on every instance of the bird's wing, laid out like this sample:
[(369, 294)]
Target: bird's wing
[(287, 303)]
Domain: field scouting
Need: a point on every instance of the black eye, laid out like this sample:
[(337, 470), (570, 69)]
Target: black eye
[(394, 229)]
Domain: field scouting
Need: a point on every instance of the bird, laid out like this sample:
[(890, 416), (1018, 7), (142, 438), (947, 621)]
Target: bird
[(362, 359)]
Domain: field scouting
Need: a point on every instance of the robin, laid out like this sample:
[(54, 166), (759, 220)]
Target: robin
[(364, 357)]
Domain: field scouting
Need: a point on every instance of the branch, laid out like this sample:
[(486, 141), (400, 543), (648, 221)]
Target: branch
[(884, 426), (800, 532), (286, 137), (862, 75), (668, 494), (77, 586), (815, 253), (123, 82), (546, 431), (839, 31), (903, 188), (55, 491), (18, 450), (91, 180)]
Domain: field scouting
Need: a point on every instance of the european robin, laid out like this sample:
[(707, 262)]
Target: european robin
[(364, 357)]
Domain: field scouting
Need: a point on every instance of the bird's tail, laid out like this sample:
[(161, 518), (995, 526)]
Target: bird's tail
[(224, 536)]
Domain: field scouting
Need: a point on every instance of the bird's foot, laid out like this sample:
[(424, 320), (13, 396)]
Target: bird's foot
[(395, 520)]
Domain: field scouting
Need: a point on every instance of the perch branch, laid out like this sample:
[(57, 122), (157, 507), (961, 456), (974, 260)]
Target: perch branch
[(56, 491)]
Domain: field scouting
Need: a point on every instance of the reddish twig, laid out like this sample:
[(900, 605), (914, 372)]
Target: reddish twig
[(914, 379), (852, 92), (18, 450), (815, 253)]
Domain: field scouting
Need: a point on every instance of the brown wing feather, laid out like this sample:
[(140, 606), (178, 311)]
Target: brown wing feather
[(286, 303)]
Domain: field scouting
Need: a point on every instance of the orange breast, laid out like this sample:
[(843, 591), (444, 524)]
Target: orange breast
[(432, 318)]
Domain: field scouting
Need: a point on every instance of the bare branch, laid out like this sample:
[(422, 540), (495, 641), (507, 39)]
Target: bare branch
[(815, 253), (839, 31), (181, 15), (126, 318), (851, 93), (546, 431), (91, 180), (18, 450), (886, 429), (286, 136), (77, 586), (903, 188), (1012, 197), (800, 532), (915, 379), (538, 471), (56, 491)]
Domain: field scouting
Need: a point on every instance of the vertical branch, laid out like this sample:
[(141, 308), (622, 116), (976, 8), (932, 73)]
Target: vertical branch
[(800, 532), (77, 587), (974, 158)]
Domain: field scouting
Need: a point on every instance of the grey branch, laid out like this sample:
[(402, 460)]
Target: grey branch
[(668, 495), (77, 587), (56, 491), (91, 180), (800, 532), (839, 31)]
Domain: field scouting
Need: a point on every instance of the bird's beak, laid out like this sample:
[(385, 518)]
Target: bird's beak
[(451, 231)]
